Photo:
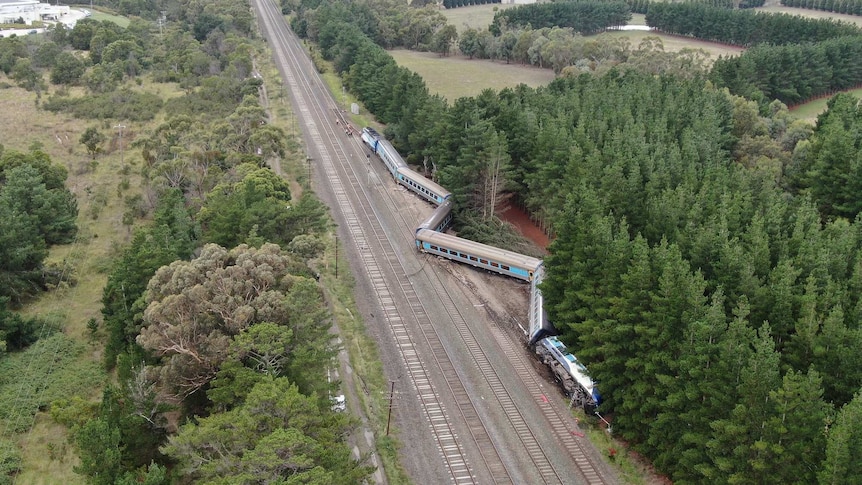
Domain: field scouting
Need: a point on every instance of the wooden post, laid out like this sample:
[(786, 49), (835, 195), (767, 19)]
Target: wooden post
[(391, 392)]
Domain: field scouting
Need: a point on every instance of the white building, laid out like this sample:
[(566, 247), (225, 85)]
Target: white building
[(31, 11)]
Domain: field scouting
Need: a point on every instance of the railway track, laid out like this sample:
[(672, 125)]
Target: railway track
[(589, 471), (365, 228), (391, 284)]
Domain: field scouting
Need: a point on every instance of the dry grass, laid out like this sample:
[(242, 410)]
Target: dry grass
[(673, 43), (454, 77), (48, 458), (474, 16), (48, 455), (813, 14)]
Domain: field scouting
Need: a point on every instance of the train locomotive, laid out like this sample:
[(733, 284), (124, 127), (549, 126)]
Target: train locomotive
[(431, 239)]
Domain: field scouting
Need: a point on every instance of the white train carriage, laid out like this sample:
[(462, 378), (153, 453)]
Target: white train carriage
[(479, 255), (440, 218), (427, 189)]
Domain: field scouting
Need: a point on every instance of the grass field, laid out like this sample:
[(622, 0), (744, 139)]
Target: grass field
[(102, 13), (474, 16), (101, 16), (454, 77), (99, 189), (814, 14), (811, 109)]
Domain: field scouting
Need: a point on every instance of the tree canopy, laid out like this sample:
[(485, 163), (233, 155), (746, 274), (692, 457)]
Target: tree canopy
[(36, 212), (277, 435), (691, 268)]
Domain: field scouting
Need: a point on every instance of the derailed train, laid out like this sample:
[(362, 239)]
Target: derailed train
[(431, 238)]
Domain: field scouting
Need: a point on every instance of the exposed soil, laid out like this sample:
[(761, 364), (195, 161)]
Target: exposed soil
[(522, 222)]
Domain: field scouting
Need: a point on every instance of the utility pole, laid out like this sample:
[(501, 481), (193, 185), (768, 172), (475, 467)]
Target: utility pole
[(121, 128), (391, 392), (336, 256)]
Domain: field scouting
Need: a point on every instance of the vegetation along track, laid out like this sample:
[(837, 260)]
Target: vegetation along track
[(388, 277)]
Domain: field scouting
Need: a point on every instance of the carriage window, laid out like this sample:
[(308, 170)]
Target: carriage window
[(462, 255), (495, 264), (474, 258), (435, 248), (504, 267), (483, 261)]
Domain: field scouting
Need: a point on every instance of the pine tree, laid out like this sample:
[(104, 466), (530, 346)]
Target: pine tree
[(844, 447), (792, 444)]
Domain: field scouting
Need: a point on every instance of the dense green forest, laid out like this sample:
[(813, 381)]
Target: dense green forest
[(38, 212), (706, 265), (212, 312), (465, 3), (792, 59), (743, 27), (643, 6), (707, 261), (792, 73)]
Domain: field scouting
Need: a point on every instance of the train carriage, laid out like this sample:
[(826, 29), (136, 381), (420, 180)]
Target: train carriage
[(427, 189), (479, 255), (430, 239), (540, 323), (390, 157), (384, 150), (439, 219)]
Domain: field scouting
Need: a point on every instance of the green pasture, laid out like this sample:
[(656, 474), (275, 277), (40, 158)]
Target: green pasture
[(454, 77), (100, 16), (811, 109), (474, 16), (102, 13)]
